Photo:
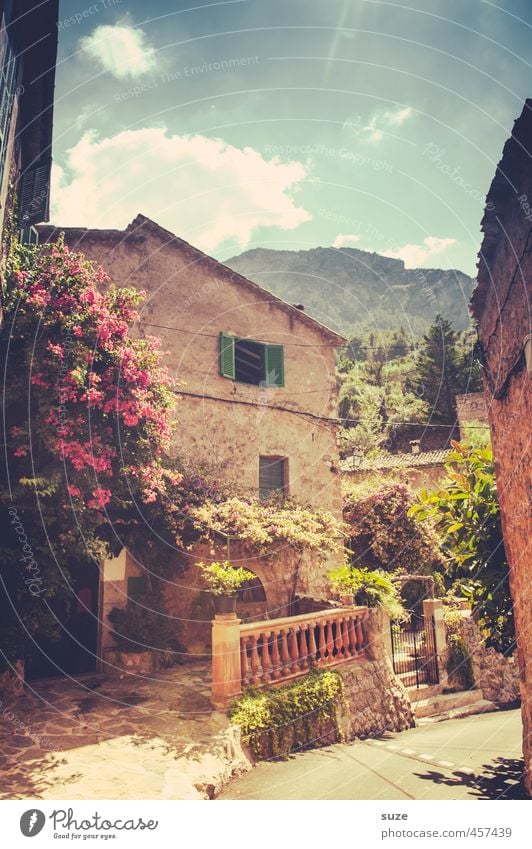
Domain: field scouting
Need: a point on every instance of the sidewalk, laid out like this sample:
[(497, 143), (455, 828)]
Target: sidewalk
[(118, 738)]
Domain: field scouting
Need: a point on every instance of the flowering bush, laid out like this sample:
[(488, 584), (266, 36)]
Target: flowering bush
[(87, 413), (263, 523), (99, 401), (382, 532)]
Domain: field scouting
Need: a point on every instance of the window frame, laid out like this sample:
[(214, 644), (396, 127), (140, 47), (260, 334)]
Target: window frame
[(284, 491), (272, 351)]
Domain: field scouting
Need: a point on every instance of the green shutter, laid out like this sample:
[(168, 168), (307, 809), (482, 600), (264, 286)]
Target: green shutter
[(227, 356), (274, 362)]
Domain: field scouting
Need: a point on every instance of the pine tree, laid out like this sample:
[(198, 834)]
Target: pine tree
[(437, 371)]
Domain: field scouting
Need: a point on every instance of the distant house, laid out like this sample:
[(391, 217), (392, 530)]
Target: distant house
[(419, 469), (501, 306), (28, 51), (257, 407)]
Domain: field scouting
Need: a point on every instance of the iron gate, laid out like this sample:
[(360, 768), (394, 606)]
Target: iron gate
[(414, 652)]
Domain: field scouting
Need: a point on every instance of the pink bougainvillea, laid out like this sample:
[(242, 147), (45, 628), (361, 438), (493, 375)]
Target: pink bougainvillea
[(100, 400)]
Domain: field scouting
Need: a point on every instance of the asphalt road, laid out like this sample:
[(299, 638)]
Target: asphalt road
[(478, 757)]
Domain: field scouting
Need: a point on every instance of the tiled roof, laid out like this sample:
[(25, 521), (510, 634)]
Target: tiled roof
[(396, 461)]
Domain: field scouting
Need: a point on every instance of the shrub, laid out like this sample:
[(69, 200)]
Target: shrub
[(382, 532), (141, 627), (223, 578), (277, 721)]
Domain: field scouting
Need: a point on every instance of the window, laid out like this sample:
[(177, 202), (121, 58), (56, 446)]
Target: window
[(257, 363), (136, 588), (273, 476)]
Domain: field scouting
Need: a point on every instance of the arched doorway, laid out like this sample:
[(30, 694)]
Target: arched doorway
[(252, 604)]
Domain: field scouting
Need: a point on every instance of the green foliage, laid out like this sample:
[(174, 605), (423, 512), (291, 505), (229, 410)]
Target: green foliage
[(280, 720), (224, 578), (382, 532), (467, 516), (437, 370), (369, 588), (142, 626), (459, 665), (263, 523)]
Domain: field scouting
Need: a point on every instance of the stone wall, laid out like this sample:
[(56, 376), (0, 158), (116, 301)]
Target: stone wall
[(471, 409), (495, 674), (376, 701), (501, 305)]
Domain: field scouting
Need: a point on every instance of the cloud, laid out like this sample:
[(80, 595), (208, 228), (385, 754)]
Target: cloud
[(200, 188), (344, 240), (378, 125), (415, 256), (121, 50), (399, 117)]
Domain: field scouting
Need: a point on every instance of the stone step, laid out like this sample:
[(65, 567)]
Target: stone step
[(438, 703), (482, 706)]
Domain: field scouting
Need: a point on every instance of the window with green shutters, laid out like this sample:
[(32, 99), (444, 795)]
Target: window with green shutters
[(273, 476), (248, 361)]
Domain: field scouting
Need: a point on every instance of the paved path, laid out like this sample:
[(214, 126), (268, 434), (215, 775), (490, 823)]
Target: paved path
[(114, 738), (474, 758)]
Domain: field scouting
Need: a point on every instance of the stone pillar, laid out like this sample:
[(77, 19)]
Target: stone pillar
[(433, 609), (377, 634), (226, 672)]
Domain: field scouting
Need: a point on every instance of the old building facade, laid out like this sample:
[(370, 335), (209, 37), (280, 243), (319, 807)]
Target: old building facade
[(28, 51), (501, 306), (256, 408)]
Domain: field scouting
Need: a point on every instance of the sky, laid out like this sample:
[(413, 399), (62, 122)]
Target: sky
[(289, 124)]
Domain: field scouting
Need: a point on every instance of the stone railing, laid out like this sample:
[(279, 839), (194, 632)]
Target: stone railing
[(279, 650)]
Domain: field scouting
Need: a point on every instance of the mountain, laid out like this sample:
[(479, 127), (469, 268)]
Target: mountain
[(351, 290)]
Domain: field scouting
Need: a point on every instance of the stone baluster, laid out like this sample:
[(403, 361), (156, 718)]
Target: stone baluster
[(265, 658), (345, 637), (285, 656), (352, 635), (339, 641), (322, 644), (294, 650), (312, 645), (303, 648), (360, 635), (329, 639), (244, 659), (276, 665), (255, 660)]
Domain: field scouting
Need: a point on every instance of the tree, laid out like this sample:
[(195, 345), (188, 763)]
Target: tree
[(467, 516), (87, 421), (437, 371), (383, 534)]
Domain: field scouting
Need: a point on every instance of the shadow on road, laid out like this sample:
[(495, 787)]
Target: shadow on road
[(499, 779)]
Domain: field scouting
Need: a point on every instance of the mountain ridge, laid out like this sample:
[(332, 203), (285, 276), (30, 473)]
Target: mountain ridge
[(349, 289)]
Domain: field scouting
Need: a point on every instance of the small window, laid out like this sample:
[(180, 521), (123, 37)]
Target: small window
[(247, 361), (136, 588), (273, 476)]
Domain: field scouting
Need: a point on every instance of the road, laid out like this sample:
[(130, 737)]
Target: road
[(478, 757)]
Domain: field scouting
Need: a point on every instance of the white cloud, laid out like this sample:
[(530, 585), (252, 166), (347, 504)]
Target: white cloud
[(378, 125), (399, 117), (202, 189), (121, 50), (415, 256), (345, 240)]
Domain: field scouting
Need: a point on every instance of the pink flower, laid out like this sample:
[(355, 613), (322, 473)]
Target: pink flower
[(74, 490)]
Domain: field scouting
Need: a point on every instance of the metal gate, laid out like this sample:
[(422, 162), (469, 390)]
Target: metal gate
[(414, 652)]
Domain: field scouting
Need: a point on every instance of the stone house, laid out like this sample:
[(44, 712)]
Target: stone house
[(28, 51), (417, 469), (257, 406), (501, 306)]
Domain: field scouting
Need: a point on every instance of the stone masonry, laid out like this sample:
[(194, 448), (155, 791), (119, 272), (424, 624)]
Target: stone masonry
[(496, 675), (501, 306)]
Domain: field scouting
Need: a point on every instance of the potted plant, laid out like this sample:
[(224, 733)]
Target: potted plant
[(342, 584), (223, 581)]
